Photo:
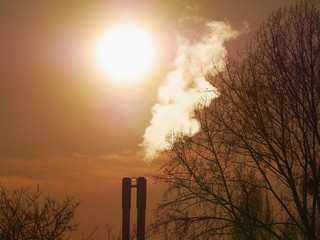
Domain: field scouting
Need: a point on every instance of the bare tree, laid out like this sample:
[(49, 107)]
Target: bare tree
[(26, 214), (253, 170), (211, 192)]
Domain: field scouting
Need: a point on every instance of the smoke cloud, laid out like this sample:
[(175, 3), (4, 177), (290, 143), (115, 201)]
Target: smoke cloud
[(200, 46)]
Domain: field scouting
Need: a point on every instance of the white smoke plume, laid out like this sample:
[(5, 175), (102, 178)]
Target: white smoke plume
[(200, 46)]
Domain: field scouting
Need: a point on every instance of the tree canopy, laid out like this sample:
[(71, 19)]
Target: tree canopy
[(27, 214), (253, 170)]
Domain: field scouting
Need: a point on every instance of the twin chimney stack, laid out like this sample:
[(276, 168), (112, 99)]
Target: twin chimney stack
[(141, 184)]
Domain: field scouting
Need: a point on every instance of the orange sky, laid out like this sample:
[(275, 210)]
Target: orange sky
[(62, 124)]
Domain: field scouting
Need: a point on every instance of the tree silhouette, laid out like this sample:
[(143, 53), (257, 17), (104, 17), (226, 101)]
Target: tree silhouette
[(253, 170), (26, 214)]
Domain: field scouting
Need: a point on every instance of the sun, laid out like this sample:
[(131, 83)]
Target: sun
[(126, 53)]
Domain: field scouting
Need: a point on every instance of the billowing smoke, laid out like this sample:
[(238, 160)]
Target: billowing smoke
[(200, 46)]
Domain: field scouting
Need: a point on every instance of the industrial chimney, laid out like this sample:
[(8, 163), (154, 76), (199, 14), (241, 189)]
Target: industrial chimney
[(141, 185)]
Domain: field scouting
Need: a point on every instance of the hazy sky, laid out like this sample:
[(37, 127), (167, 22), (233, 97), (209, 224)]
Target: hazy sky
[(62, 123)]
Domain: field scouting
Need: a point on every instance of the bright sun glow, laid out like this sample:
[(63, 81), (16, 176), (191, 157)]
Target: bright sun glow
[(126, 53)]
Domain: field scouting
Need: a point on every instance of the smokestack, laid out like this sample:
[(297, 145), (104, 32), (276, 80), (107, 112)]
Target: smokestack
[(126, 205), (141, 207), (141, 185)]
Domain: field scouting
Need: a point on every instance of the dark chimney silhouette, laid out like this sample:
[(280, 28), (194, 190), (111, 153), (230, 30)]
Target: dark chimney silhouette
[(141, 185)]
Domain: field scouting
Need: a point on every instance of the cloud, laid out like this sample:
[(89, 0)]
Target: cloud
[(79, 172), (200, 46)]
